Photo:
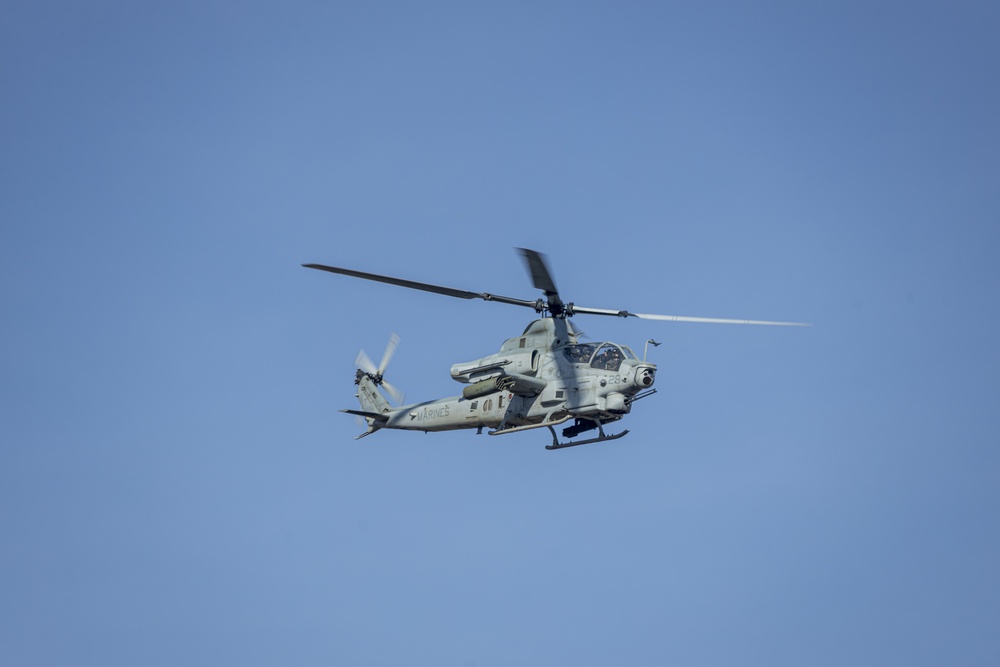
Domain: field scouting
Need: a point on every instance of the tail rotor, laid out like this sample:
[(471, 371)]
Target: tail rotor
[(377, 373)]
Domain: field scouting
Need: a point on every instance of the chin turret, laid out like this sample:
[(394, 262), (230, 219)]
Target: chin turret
[(644, 377)]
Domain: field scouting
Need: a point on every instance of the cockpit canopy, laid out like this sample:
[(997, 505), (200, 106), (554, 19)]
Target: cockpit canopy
[(604, 356)]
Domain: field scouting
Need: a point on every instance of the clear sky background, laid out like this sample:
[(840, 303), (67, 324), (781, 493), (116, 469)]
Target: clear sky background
[(177, 486)]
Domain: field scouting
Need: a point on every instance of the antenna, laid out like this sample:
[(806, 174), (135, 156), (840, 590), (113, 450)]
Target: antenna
[(646, 349)]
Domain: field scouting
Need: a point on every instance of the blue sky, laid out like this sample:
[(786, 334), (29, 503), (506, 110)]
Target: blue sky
[(177, 486)]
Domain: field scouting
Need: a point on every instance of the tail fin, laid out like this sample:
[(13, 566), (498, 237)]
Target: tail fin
[(369, 396), (374, 407)]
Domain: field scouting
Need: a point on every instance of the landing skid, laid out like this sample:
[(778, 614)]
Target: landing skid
[(526, 427), (601, 438)]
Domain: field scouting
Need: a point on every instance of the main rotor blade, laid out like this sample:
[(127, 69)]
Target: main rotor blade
[(426, 287), (718, 320), (682, 318), (539, 270), (412, 284)]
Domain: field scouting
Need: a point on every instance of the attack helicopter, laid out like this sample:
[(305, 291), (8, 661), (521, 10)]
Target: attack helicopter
[(544, 378)]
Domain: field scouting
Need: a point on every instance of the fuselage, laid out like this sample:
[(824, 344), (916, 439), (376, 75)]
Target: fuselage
[(543, 376)]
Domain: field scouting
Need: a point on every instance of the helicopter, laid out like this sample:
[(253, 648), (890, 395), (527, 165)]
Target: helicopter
[(543, 378)]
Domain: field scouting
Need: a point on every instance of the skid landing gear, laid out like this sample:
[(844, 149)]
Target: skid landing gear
[(575, 443)]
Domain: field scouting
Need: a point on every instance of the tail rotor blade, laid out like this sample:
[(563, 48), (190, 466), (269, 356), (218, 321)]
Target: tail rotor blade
[(396, 394), (364, 362), (390, 349)]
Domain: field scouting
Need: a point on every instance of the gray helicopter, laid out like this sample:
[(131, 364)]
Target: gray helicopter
[(545, 377)]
